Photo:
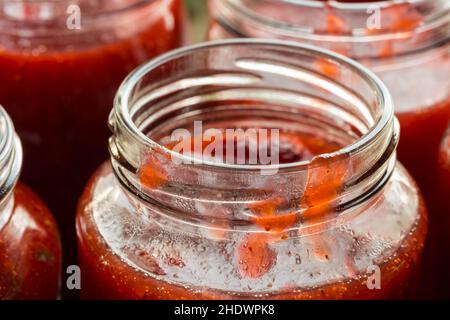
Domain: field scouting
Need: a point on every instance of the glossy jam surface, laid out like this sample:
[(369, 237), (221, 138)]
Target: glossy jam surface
[(59, 95), (30, 252), (128, 251)]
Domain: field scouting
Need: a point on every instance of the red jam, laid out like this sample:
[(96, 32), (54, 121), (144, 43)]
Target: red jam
[(30, 252), (59, 96), (153, 265)]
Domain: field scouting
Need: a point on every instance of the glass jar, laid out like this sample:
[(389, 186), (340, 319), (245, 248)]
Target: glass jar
[(30, 253), (406, 43), (332, 204), (58, 81), (444, 173)]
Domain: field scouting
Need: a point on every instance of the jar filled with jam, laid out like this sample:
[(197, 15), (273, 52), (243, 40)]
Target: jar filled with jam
[(239, 169), (61, 63), (406, 43), (30, 253)]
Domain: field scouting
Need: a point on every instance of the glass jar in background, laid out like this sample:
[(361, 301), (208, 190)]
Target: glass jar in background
[(331, 209), (30, 250), (409, 51), (61, 63), (444, 174), (406, 43)]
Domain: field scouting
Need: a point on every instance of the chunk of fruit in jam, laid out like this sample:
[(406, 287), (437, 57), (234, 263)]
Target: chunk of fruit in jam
[(254, 255)]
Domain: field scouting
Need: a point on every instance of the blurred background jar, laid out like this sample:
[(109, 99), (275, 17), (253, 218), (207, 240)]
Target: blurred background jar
[(406, 43), (156, 224), (440, 204), (61, 63), (30, 250)]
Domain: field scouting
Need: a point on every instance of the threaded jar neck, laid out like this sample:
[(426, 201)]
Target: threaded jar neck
[(262, 84)]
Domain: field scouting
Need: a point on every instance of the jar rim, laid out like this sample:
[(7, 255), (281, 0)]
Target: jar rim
[(121, 107)]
